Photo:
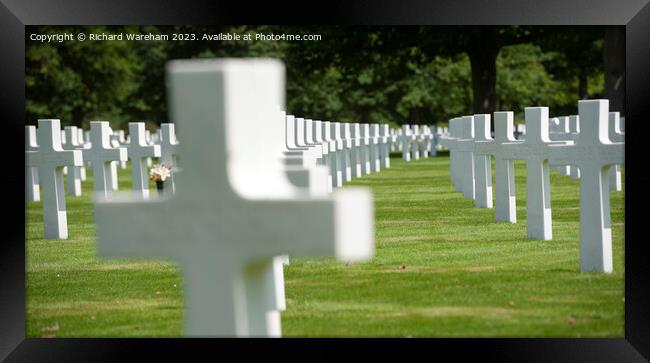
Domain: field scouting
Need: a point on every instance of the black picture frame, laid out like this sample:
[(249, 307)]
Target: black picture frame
[(15, 15)]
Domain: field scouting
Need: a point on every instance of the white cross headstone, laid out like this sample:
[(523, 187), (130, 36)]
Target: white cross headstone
[(50, 158), (385, 145), (465, 148), (32, 190), (118, 140), (375, 148), (364, 149), (615, 135), (82, 144), (415, 147), (593, 153), (101, 155), (234, 209), (346, 167), (483, 161), (168, 153), (74, 173), (505, 208), (300, 155), (534, 150), (433, 141), (559, 131), (339, 158), (355, 154), (406, 141), (574, 132), (450, 141), (311, 143), (148, 141), (138, 151)]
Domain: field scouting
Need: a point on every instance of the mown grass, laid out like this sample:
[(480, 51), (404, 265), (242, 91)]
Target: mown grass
[(442, 268)]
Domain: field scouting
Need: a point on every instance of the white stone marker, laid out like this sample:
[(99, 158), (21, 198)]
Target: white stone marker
[(330, 161), (375, 148), (32, 190), (138, 151), (450, 141), (227, 186), (465, 147), (82, 144), (101, 154), (425, 141), (346, 167), (319, 137), (593, 153), (505, 209), (406, 139), (148, 141), (385, 145), (168, 154), (310, 142), (415, 147), (482, 161), (433, 142), (559, 131), (534, 150), (615, 135), (118, 140), (337, 141), (355, 153), (574, 128), (50, 158), (305, 155), (112, 176), (74, 173), (364, 149)]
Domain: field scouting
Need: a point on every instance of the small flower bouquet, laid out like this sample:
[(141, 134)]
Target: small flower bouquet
[(158, 173)]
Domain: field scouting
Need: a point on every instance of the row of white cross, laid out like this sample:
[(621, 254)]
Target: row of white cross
[(242, 204), (347, 150), (592, 150), (415, 141), (46, 158)]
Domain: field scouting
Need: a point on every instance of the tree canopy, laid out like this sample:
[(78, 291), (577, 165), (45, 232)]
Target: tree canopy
[(394, 74)]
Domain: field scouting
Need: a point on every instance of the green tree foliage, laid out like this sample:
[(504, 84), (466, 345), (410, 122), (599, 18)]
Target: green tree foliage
[(356, 74)]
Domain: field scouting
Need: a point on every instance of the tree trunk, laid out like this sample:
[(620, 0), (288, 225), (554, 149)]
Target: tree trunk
[(365, 116), (77, 117), (483, 61), (414, 117), (614, 64), (583, 85)]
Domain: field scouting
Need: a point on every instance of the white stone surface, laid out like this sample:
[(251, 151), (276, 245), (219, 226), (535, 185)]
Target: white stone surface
[(100, 155), (32, 190), (168, 153), (385, 145), (364, 149), (374, 147), (346, 165), (615, 135), (505, 209), (337, 142), (227, 187), (139, 151), (50, 158), (74, 173), (355, 154), (465, 147), (406, 139), (593, 153), (482, 161), (534, 151)]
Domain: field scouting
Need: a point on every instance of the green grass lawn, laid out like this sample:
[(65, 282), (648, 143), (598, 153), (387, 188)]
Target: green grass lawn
[(442, 268)]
